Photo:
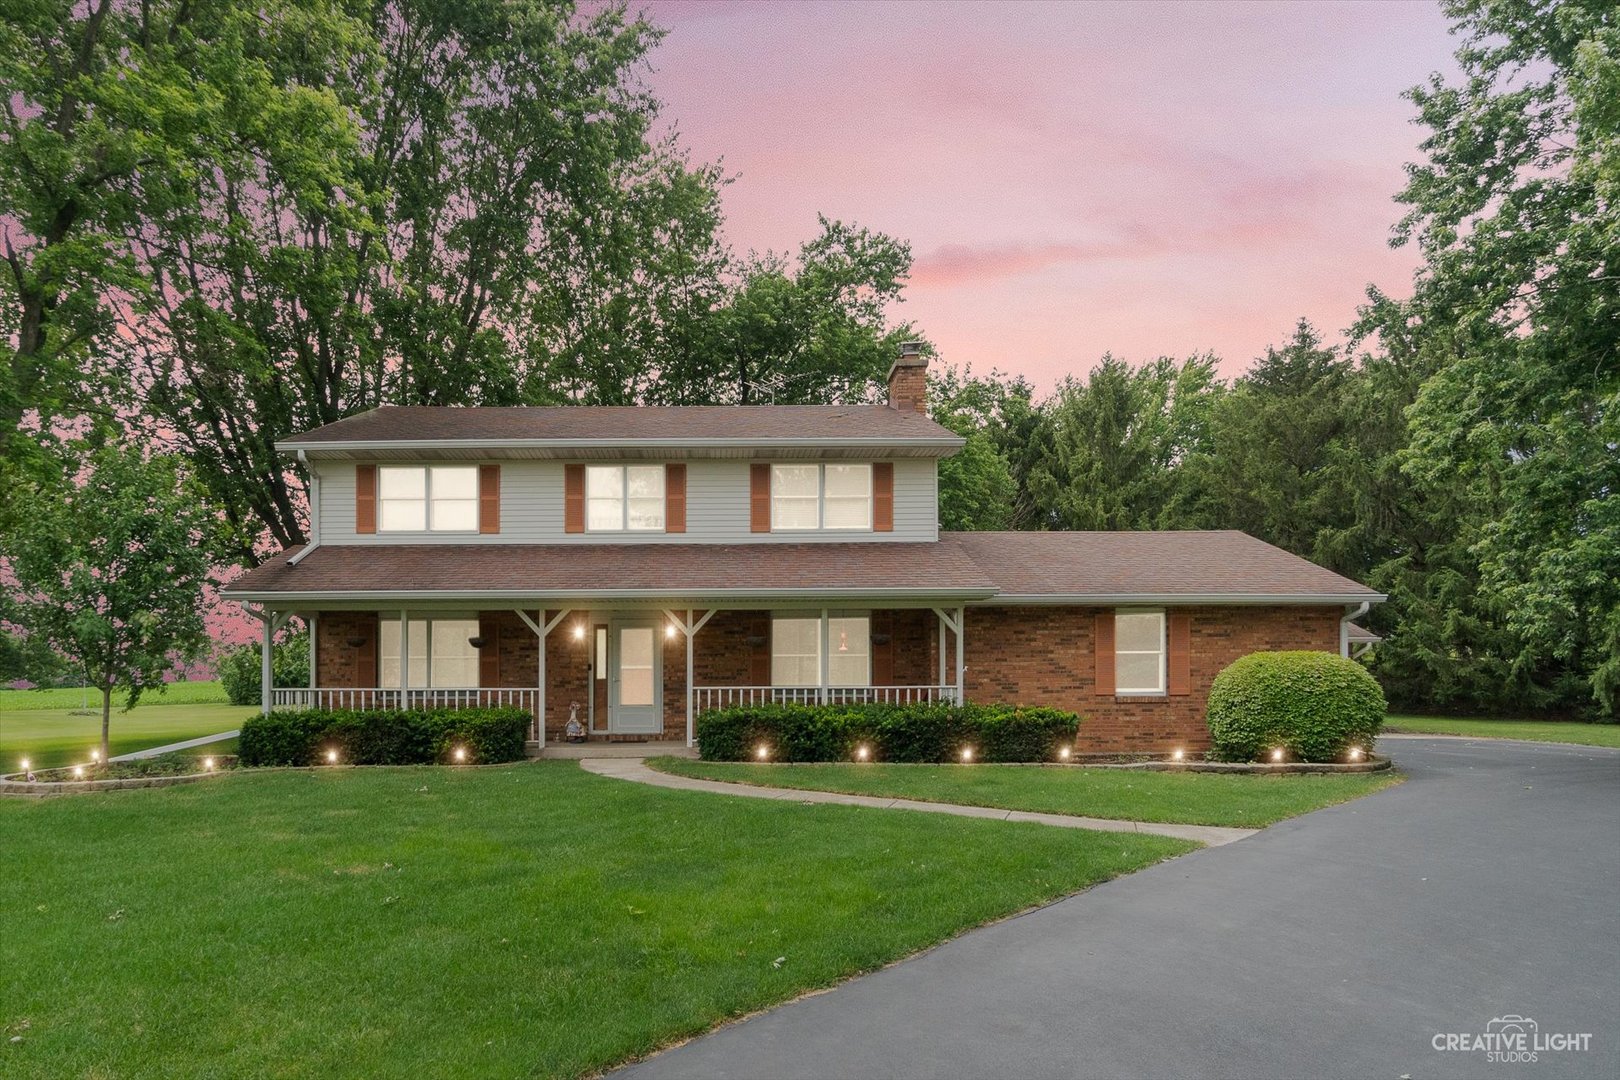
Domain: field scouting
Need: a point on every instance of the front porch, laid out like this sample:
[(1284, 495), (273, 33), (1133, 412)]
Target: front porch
[(627, 675)]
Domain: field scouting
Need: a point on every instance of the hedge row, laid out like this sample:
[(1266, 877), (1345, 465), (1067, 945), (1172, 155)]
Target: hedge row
[(903, 733), (384, 736), (1313, 705)]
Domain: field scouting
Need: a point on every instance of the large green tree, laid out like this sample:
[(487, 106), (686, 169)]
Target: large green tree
[(109, 571), (1516, 211)]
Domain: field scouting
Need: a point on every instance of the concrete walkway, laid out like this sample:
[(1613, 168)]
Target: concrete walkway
[(154, 751), (636, 771), (1337, 944)]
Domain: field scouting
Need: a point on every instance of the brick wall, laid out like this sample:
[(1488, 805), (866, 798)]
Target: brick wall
[(1043, 656)]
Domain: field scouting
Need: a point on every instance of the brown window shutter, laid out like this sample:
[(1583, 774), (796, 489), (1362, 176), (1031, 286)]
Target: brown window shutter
[(365, 499), (882, 648), (489, 498), (1179, 662), (489, 657), (574, 498), (365, 657), (759, 497), (675, 498), (1103, 648), (883, 496), (759, 658)]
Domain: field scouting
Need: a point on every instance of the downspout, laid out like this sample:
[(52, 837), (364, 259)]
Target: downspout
[(314, 511), (1344, 626)]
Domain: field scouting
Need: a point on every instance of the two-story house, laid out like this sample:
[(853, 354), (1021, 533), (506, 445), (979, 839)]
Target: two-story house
[(636, 566)]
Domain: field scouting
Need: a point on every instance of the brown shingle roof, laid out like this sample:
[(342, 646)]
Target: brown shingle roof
[(1100, 566), (579, 423), (1147, 564), (651, 570)]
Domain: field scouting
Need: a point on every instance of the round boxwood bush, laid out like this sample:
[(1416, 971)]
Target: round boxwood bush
[(1314, 705)]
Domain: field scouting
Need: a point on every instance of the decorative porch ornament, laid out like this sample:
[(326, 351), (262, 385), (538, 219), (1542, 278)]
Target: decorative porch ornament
[(354, 641), (477, 642), (574, 731)]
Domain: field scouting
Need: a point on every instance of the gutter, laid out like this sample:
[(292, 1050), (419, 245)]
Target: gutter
[(1185, 599), (1344, 626), (533, 596), (952, 442), (314, 511)]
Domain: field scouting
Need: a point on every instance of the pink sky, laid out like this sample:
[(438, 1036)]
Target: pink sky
[(1146, 179)]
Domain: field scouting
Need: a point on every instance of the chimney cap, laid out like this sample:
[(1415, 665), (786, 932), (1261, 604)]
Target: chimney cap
[(911, 348), (911, 355)]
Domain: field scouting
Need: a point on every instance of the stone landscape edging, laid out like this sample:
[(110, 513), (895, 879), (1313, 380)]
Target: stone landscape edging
[(8, 786)]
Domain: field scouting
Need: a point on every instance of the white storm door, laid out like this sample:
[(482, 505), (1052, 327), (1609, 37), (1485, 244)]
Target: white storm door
[(635, 679)]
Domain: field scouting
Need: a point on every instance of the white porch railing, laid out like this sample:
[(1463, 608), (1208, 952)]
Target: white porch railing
[(705, 698), (351, 697)]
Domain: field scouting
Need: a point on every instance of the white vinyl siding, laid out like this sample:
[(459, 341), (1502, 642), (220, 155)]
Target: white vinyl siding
[(716, 509), (1139, 652), (415, 498), (441, 653)]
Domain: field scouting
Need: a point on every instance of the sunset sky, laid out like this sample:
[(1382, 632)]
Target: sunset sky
[(1147, 179)]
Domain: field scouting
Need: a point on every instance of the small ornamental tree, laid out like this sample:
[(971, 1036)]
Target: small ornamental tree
[(110, 571)]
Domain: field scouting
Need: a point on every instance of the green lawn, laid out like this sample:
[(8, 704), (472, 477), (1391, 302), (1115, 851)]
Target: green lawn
[(1483, 728), (1185, 798), (517, 920), (72, 697), (52, 737)]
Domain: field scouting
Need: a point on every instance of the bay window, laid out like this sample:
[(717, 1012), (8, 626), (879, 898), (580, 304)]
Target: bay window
[(831, 496), (427, 498), (441, 653), (620, 498), (1139, 660)]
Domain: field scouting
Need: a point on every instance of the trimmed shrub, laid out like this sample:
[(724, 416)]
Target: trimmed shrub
[(896, 733), (241, 667), (384, 736), (1315, 705)]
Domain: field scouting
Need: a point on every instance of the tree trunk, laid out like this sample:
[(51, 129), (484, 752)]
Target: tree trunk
[(106, 718)]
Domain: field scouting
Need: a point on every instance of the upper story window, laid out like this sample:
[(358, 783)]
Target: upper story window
[(624, 497), (427, 498), (821, 497), (1139, 653)]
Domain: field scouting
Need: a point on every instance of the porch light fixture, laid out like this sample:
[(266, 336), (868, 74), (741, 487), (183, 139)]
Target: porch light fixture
[(669, 630), (459, 753), (1178, 754), (967, 754), (1277, 754), (478, 642), (331, 757), (579, 631), (1063, 754), (763, 752)]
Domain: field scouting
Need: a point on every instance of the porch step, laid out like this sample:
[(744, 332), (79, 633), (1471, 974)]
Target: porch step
[(576, 751)]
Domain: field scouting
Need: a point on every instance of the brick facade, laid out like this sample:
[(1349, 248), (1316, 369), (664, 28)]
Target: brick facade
[(1042, 655), (1035, 655)]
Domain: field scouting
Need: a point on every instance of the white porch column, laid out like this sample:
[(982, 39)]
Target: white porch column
[(314, 655), (689, 632), (266, 669), (826, 644), (542, 630), (961, 668)]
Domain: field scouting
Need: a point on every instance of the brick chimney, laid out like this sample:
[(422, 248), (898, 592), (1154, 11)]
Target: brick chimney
[(908, 379)]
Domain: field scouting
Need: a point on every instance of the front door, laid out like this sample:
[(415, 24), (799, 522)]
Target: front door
[(635, 679)]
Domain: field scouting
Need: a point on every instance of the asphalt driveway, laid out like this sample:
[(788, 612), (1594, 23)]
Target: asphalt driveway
[(1339, 944)]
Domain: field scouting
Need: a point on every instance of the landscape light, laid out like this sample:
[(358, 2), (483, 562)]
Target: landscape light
[(763, 752), (1064, 754), (95, 755), (861, 753), (78, 771), (1277, 754), (460, 753), (1178, 754), (208, 764), (967, 753), (331, 757), (25, 764), (1355, 753)]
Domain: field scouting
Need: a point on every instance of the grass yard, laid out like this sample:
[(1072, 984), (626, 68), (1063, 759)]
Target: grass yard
[(1483, 728), (72, 697), (1184, 798), (530, 919), (52, 737)]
